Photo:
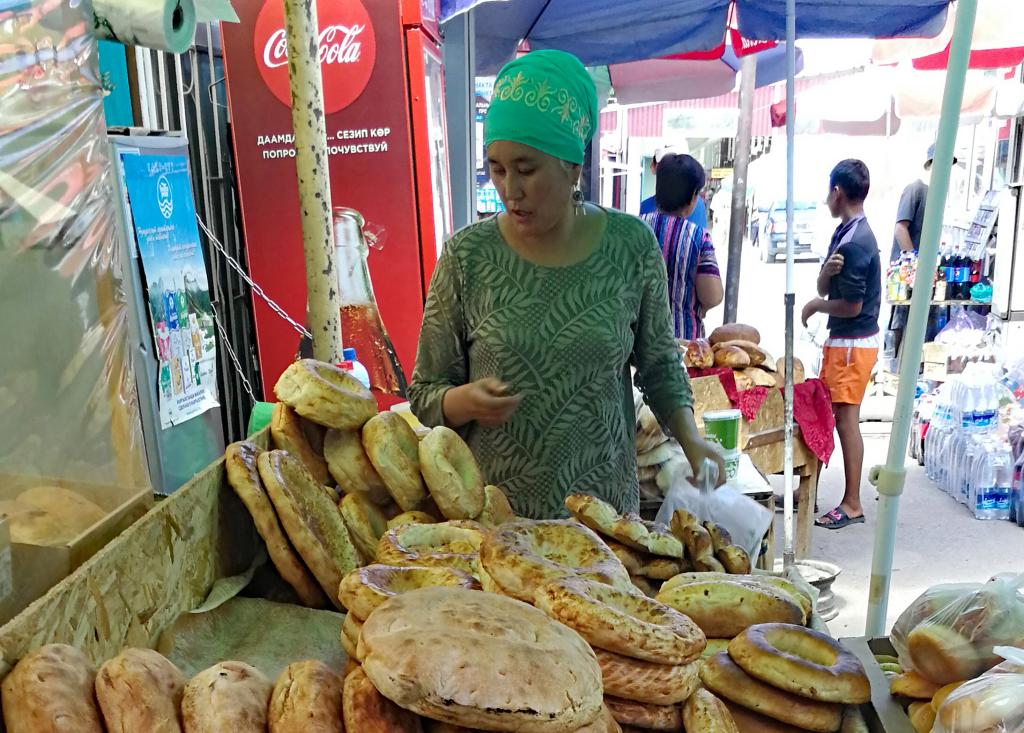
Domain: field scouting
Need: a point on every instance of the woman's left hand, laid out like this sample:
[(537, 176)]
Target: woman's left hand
[(700, 449)]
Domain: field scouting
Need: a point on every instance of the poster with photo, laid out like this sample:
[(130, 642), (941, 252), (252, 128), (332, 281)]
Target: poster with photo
[(181, 315)]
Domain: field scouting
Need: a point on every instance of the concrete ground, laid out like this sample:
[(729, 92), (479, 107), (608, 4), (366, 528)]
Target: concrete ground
[(938, 540)]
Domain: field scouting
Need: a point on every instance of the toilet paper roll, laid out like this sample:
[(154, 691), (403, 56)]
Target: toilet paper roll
[(167, 25)]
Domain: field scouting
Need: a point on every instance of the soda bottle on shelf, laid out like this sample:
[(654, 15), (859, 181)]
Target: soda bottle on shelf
[(361, 324)]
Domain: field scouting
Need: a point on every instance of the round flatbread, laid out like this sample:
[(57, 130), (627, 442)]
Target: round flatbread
[(240, 461), (310, 518), (509, 667)]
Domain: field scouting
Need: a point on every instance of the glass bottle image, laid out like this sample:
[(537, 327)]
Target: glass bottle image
[(361, 324)]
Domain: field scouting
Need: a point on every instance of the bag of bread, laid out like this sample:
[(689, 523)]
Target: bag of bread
[(993, 703), (949, 633)]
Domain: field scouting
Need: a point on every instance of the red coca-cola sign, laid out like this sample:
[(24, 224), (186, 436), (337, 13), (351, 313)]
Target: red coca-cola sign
[(348, 50)]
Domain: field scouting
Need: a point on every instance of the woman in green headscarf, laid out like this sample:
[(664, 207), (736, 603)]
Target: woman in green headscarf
[(535, 316)]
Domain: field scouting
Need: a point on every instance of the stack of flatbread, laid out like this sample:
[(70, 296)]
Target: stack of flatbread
[(658, 456)]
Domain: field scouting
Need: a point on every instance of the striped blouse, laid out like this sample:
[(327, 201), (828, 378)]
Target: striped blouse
[(688, 252)]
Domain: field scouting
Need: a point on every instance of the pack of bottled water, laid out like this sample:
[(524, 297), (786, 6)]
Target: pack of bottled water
[(964, 454)]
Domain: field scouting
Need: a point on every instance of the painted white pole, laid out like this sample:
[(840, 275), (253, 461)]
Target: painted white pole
[(889, 479), (789, 550)]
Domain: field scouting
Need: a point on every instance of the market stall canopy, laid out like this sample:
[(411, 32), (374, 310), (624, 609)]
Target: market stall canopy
[(674, 79), (997, 42), (603, 32)]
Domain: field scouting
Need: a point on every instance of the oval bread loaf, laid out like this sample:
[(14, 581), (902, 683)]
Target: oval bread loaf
[(735, 332), (758, 356), (733, 357), (724, 609)]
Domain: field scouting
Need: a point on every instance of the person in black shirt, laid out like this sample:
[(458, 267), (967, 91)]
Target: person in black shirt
[(850, 290)]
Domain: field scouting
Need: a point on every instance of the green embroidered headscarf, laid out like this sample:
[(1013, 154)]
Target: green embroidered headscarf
[(547, 100)]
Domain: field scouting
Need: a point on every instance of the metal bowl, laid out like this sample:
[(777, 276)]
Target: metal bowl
[(821, 575)]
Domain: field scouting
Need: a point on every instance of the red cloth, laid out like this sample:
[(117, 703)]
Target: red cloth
[(812, 408), (725, 376)]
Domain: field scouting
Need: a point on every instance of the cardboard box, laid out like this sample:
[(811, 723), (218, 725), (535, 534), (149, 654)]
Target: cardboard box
[(35, 568)]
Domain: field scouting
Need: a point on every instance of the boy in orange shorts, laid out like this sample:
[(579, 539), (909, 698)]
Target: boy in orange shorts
[(850, 286)]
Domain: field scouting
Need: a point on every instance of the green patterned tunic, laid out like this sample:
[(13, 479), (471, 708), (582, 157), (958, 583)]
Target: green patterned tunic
[(564, 338)]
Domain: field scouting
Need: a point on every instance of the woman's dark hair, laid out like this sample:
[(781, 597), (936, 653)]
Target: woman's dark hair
[(852, 177), (679, 177)]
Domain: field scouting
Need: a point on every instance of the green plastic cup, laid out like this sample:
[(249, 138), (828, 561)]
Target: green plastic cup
[(723, 427), (260, 416)]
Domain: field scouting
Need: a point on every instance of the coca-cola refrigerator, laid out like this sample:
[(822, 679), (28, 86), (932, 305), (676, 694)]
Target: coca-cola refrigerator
[(384, 107)]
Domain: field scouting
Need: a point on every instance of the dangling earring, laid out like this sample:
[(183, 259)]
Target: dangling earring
[(577, 200)]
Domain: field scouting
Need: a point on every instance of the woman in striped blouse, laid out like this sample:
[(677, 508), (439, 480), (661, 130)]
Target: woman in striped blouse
[(694, 281)]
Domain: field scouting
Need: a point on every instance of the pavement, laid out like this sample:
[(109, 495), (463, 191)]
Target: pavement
[(938, 540)]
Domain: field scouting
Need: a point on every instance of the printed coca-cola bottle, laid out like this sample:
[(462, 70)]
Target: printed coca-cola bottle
[(361, 324)]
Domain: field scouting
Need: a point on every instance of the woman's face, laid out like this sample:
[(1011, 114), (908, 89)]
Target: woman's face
[(535, 187)]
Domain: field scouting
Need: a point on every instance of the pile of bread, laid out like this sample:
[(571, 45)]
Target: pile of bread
[(783, 677), (328, 433), (658, 457), (950, 668), (49, 515), (737, 347), (653, 553), (56, 688)]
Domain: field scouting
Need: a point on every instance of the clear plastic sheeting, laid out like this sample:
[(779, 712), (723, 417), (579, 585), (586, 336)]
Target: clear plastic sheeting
[(67, 390)]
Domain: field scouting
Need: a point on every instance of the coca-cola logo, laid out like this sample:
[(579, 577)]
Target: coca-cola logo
[(347, 50)]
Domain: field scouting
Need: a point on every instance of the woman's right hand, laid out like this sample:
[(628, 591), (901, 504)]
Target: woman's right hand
[(485, 401)]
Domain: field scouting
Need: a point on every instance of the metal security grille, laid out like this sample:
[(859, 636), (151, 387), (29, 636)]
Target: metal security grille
[(187, 93)]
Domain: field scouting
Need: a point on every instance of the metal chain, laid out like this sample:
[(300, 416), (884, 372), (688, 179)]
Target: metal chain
[(234, 357), (252, 284)]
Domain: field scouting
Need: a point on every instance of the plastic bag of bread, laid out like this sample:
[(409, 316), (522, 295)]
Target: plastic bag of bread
[(948, 634), (993, 703), (744, 519), (697, 354)]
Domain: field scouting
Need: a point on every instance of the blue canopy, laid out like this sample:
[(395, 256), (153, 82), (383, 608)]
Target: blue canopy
[(616, 31)]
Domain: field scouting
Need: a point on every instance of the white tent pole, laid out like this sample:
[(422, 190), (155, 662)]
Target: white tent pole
[(890, 479), (789, 553)]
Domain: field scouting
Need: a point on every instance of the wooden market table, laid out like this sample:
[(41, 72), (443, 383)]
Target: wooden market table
[(763, 439)]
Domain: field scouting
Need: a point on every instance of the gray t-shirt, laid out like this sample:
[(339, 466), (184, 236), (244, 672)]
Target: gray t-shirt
[(911, 210)]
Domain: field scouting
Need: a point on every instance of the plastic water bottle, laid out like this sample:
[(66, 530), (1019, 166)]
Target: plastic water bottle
[(354, 367), (993, 483)]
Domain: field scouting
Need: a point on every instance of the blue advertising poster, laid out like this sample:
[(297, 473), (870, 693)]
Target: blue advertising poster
[(164, 218)]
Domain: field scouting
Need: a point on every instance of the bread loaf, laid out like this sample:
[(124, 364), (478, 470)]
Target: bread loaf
[(51, 691), (697, 354), (230, 697), (757, 355), (743, 382), (759, 377), (307, 699), (735, 332), (138, 690), (798, 370), (726, 608), (733, 357)]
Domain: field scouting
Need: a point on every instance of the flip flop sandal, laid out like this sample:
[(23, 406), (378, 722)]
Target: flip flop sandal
[(837, 519)]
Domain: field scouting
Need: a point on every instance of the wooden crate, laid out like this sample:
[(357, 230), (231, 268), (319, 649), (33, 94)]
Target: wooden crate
[(883, 714), (36, 568), (709, 396), (133, 588)]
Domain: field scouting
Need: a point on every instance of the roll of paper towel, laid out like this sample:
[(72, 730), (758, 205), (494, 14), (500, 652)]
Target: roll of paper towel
[(167, 25)]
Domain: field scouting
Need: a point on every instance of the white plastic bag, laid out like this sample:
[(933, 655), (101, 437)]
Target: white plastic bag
[(744, 519), (993, 703)]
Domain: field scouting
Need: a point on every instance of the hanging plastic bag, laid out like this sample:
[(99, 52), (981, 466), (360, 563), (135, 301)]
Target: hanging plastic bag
[(744, 519), (949, 633), (993, 703)]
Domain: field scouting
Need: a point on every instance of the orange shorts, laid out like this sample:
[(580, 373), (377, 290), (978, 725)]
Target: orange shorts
[(847, 366)]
